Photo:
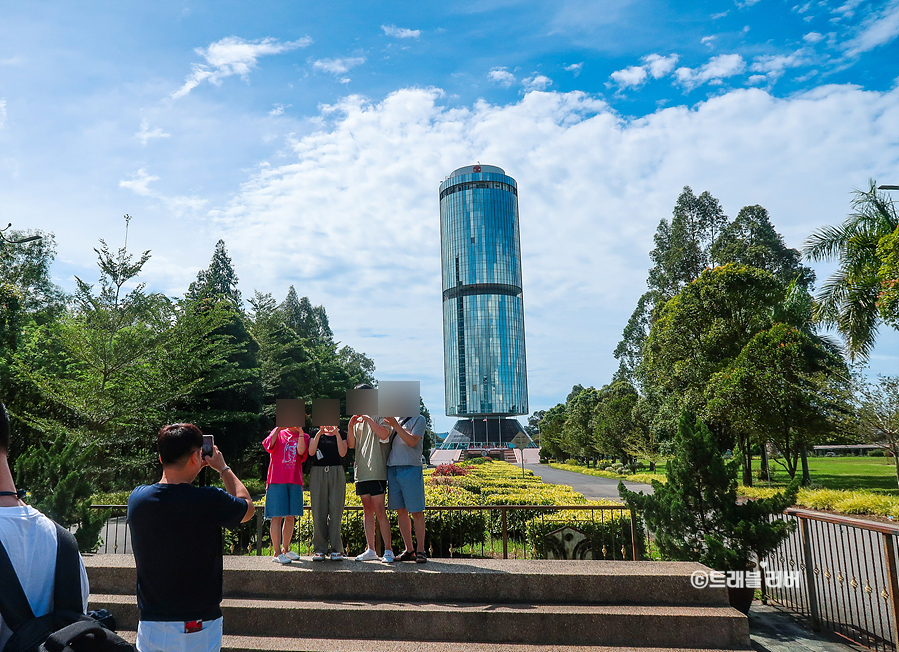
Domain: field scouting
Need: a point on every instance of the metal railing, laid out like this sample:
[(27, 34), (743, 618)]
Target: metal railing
[(499, 531), (847, 576)]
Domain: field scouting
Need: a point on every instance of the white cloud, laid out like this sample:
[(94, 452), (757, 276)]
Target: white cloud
[(708, 40), (146, 133), (536, 83), (630, 77), (400, 32), (139, 183), (501, 76), (654, 65), (813, 37), (592, 185), (877, 30), (232, 56), (660, 66), (279, 109), (847, 9), (773, 66), (575, 68), (338, 66), (724, 65)]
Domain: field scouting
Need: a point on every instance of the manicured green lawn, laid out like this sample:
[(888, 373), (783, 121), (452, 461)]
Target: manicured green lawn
[(872, 473), (877, 474)]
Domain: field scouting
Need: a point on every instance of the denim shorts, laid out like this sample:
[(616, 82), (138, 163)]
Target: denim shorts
[(283, 500), (406, 488)]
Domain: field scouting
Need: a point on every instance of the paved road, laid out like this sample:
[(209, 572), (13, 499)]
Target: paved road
[(593, 487)]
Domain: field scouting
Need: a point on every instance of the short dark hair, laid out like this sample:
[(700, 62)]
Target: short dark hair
[(4, 428), (176, 441)]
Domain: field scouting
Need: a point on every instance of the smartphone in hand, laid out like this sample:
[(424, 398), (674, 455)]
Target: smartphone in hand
[(208, 443)]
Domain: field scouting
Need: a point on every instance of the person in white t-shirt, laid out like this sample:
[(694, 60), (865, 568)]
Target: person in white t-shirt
[(29, 538)]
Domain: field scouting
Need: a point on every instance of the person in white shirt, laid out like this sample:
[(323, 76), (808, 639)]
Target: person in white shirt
[(29, 538)]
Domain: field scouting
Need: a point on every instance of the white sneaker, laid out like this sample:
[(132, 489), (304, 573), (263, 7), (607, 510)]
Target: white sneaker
[(368, 555), (292, 555), (388, 557), (318, 556), (337, 556), (282, 559)]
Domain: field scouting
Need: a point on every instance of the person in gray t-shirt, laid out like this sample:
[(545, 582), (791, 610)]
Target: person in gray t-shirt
[(406, 485)]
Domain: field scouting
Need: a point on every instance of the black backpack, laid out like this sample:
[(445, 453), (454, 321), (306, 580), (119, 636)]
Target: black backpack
[(66, 628)]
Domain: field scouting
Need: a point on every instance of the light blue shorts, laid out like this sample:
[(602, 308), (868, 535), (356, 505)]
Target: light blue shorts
[(406, 488), (283, 500)]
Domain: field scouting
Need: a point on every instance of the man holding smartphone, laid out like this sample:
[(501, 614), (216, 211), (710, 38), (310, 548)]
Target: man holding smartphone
[(176, 531)]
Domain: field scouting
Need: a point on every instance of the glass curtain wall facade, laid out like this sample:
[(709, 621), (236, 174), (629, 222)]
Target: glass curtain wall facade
[(483, 309)]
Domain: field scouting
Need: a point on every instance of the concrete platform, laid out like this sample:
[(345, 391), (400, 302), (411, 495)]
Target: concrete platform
[(500, 604), (270, 644), (458, 580)]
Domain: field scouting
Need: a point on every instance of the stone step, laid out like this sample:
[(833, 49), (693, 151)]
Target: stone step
[(716, 627), (273, 644), (442, 580)]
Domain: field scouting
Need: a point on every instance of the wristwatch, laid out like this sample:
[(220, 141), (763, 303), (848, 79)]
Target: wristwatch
[(227, 468)]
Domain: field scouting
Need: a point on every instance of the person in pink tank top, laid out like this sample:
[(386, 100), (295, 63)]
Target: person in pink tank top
[(287, 449)]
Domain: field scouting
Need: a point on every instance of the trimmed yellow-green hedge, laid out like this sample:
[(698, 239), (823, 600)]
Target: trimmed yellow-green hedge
[(837, 500), (645, 478)]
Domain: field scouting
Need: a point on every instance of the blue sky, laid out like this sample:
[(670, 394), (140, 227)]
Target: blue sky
[(312, 137)]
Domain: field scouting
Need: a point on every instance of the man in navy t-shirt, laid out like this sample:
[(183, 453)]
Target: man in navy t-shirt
[(176, 530)]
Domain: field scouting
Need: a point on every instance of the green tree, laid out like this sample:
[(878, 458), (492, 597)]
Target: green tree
[(27, 268), (849, 298), (550, 426), (695, 515), (613, 420), (577, 432), (117, 367), (878, 411), (308, 321), (218, 281), (752, 241), (702, 329), (682, 250), (58, 477), (284, 361), (888, 275), (533, 425), (781, 388)]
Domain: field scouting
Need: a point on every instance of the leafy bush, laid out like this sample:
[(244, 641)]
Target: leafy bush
[(478, 460), (877, 452), (572, 462), (450, 469), (111, 498)]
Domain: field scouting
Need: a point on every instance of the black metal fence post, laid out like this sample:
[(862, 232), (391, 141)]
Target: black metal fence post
[(810, 575), (889, 552)]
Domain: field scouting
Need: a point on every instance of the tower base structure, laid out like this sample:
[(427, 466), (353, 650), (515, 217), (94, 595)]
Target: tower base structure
[(492, 432)]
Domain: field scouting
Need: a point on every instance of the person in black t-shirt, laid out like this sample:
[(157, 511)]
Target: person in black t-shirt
[(176, 531), (327, 489)]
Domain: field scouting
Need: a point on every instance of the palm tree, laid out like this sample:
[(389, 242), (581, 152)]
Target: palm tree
[(848, 299)]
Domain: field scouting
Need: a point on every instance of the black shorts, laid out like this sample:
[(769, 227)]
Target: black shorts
[(371, 488)]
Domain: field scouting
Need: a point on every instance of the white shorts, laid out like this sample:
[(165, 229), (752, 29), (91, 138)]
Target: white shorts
[(155, 636)]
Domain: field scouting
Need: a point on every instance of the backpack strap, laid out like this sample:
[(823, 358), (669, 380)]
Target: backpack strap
[(67, 581), (14, 605), (62, 639)]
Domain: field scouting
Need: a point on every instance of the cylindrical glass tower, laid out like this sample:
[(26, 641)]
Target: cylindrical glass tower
[(483, 310)]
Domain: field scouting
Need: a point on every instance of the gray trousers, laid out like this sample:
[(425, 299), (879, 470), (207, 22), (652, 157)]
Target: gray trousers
[(327, 489)]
